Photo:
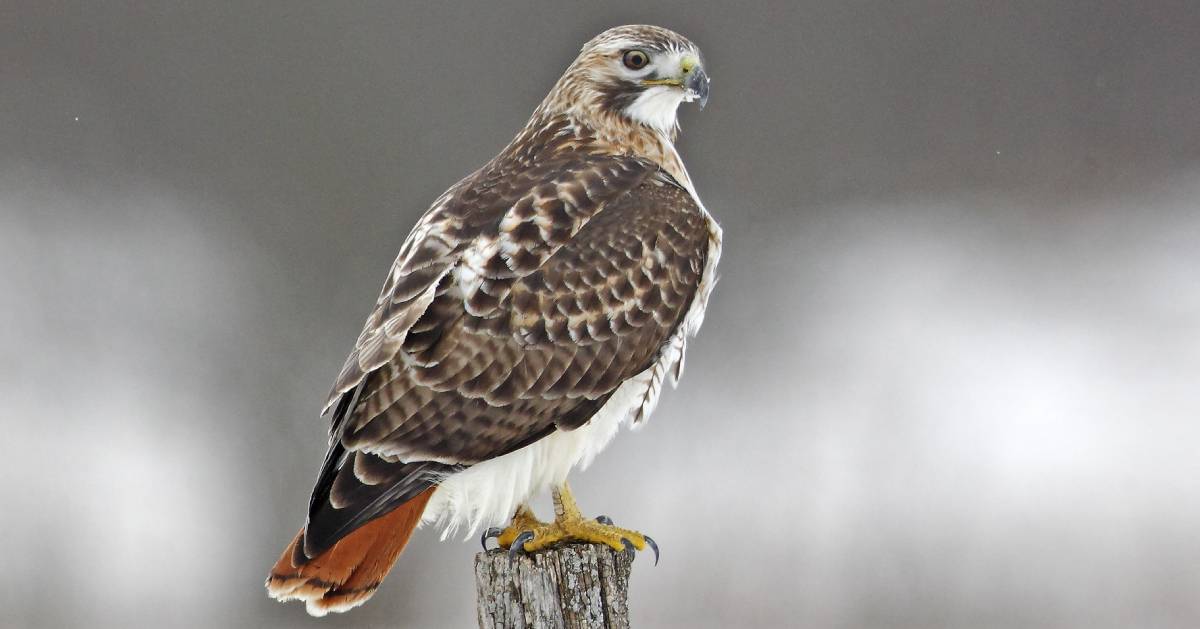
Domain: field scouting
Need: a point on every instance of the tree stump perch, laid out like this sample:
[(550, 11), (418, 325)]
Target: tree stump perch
[(575, 586)]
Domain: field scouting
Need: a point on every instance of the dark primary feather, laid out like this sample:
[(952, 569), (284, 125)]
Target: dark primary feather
[(354, 488), (595, 260)]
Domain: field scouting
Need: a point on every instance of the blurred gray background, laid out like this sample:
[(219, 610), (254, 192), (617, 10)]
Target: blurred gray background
[(949, 377)]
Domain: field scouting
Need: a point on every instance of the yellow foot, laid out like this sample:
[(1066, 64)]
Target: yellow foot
[(523, 520), (528, 534), (566, 530)]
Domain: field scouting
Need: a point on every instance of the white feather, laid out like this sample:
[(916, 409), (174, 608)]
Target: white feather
[(469, 273), (656, 107), (488, 493)]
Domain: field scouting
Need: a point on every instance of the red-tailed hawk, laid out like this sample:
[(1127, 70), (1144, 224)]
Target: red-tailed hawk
[(538, 305)]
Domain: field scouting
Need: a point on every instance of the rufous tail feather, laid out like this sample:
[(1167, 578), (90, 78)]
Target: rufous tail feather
[(347, 574)]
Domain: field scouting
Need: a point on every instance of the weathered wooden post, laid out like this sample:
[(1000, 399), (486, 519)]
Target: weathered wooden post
[(575, 586)]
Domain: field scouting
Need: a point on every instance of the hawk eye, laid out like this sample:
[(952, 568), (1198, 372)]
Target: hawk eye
[(636, 59)]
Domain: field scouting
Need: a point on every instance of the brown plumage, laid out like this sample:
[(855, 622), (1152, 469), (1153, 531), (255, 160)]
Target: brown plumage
[(575, 261)]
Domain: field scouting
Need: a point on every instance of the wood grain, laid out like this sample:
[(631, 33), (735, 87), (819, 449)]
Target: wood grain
[(575, 586)]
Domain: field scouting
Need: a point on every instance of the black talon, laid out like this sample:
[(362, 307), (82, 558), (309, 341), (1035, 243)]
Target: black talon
[(492, 532), (653, 546), (605, 520), (629, 547), (518, 545)]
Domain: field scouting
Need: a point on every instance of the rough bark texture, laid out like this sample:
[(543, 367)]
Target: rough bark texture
[(574, 586)]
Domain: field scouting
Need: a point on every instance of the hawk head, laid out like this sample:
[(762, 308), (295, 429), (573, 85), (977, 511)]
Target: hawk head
[(632, 75)]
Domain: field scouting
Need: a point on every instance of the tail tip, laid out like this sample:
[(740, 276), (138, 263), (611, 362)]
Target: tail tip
[(344, 576), (320, 598)]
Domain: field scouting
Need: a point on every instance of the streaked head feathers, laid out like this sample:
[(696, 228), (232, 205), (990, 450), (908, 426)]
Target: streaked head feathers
[(631, 75)]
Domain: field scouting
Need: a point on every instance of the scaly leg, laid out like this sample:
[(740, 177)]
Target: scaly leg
[(528, 534), (522, 520)]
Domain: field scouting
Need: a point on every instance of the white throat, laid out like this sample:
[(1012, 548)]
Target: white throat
[(657, 108)]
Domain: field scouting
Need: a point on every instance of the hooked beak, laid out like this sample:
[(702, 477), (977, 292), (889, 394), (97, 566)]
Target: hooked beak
[(692, 80), (695, 86)]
